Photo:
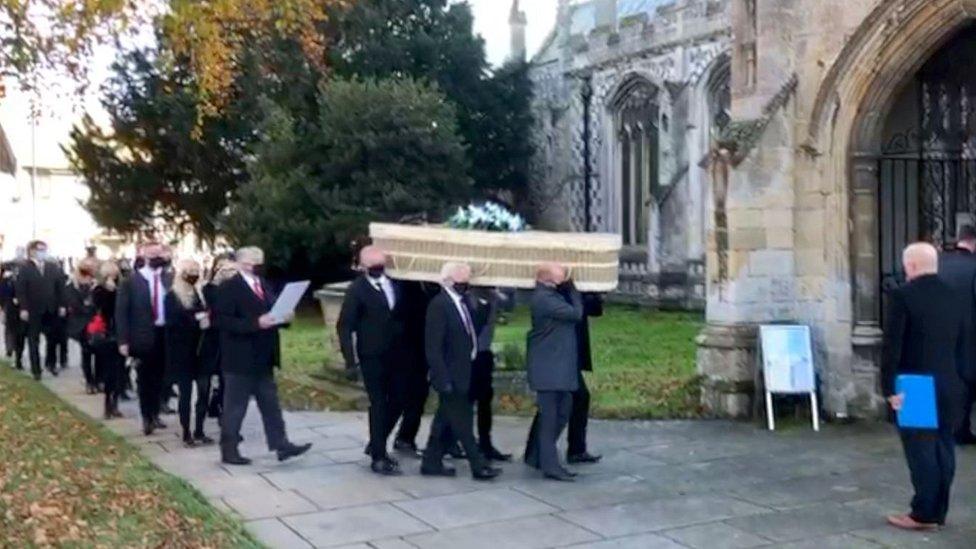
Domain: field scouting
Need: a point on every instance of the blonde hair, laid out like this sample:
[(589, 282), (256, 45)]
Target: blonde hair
[(183, 290)]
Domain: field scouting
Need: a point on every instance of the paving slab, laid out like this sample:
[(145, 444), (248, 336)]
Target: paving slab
[(273, 533), (814, 521), (355, 525), (526, 533), (715, 535), (269, 502), (661, 514), (467, 509), (644, 541)]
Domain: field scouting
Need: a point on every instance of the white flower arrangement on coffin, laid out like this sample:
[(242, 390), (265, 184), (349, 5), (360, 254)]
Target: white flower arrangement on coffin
[(490, 217)]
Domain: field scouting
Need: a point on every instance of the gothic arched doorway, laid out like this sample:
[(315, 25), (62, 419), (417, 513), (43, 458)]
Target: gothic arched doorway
[(927, 162)]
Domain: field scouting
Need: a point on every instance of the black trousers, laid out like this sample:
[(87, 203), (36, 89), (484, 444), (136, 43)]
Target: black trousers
[(149, 376), (931, 460), (965, 430), (185, 382), (415, 389), (238, 390), (15, 336), (554, 411), (111, 367), (59, 332), (89, 368), (37, 325), (579, 417), (385, 401), (454, 413)]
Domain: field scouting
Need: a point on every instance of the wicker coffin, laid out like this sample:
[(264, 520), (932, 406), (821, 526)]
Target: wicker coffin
[(499, 259)]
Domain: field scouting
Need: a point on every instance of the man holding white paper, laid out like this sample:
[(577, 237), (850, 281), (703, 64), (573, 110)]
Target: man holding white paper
[(249, 353), (924, 336)]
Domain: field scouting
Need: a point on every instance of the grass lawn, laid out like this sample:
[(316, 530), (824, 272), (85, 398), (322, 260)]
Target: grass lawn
[(66, 481), (644, 363)]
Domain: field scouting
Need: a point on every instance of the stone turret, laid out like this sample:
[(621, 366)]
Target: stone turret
[(517, 22)]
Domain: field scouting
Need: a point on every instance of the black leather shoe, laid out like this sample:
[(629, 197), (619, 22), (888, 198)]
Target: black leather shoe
[(148, 427), (293, 450), (405, 448), (385, 467), (53, 372), (233, 457), (456, 452), (532, 460), (569, 473), (37, 377), (561, 476), (486, 473), (493, 454), (201, 438), (585, 457), (438, 472)]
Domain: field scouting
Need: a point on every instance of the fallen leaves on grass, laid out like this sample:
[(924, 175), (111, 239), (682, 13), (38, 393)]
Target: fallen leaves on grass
[(64, 480)]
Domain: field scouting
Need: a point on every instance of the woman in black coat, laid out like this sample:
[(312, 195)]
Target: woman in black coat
[(186, 320), (223, 268), (101, 336), (81, 310)]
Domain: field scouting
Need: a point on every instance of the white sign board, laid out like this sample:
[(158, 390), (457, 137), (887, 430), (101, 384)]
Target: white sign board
[(786, 358)]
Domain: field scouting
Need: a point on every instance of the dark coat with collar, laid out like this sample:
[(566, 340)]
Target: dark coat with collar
[(245, 348), (923, 334), (367, 328), (553, 349), (958, 270), (183, 335), (449, 346), (134, 322), (81, 308), (39, 293)]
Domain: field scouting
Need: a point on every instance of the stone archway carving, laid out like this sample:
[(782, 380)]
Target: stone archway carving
[(845, 133)]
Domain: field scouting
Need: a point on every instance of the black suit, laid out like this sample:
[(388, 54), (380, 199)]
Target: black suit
[(41, 295), (248, 357), (414, 381), (14, 329), (141, 325), (450, 341), (924, 334), (958, 270), (378, 331)]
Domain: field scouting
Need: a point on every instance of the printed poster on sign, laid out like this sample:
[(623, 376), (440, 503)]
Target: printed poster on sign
[(787, 359)]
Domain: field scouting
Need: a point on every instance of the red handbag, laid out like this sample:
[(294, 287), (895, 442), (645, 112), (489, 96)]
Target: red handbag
[(96, 327)]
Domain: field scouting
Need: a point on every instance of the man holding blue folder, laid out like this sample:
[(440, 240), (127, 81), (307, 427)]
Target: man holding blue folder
[(924, 342)]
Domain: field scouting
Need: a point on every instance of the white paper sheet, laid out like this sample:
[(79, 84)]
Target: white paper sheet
[(288, 300)]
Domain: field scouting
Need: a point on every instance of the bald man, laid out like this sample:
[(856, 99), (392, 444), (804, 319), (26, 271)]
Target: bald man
[(924, 334), (371, 328)]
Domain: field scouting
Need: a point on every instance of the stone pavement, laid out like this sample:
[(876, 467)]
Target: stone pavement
[(668, 484)]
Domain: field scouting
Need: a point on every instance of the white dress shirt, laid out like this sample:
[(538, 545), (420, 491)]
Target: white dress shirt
[(159, 298), (466, 319), (384, 285), (254, 283)]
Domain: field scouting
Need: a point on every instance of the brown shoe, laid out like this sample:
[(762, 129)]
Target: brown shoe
[(906, 522)]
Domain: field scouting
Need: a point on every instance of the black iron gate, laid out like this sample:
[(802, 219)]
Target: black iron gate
[(928, 175)]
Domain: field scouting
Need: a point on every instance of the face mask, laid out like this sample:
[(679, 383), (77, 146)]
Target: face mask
[(376, 272), (139, 263), (40, 255), (258, 270), (461, 287), (85, 273), (191, 279), (157, 263)]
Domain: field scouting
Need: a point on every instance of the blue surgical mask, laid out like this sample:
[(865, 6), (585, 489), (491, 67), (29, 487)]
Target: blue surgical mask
[(40, 255)]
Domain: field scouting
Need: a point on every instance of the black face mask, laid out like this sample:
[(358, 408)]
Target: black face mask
[(157, 263), (258, 270), (376, 272), (191, 279), (461, 287), (139, 263)]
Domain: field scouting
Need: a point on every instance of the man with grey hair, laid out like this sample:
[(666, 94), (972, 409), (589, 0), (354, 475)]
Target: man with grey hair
[(250, 350), (451, 346), (924, 335)]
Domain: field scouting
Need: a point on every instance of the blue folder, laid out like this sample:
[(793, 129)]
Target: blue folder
[(919, 408)]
